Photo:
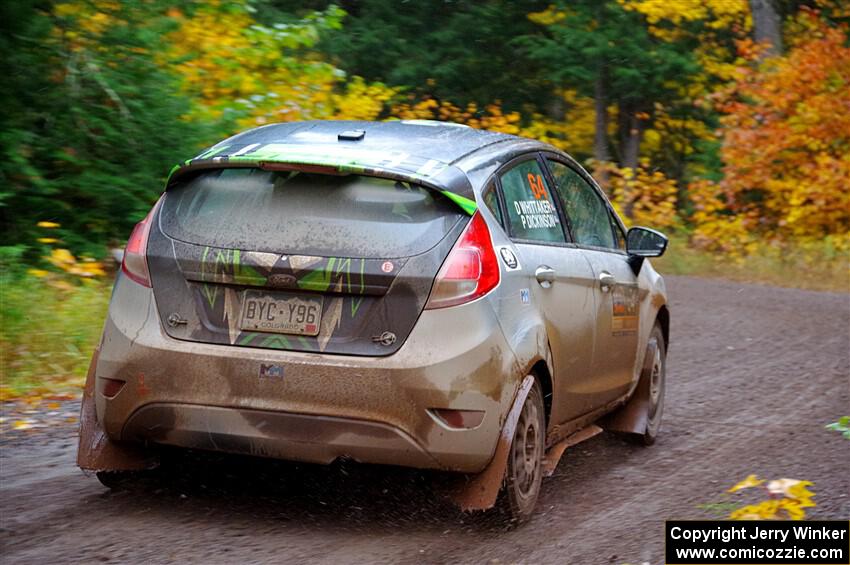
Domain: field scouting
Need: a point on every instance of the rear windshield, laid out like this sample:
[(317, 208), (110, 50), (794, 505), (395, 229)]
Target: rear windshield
[(307, 214)]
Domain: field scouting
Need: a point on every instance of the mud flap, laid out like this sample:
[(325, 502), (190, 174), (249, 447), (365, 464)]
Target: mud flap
[(633, 416), (480, 491), (96, 452)]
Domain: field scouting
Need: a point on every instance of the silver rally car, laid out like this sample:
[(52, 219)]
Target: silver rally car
[(408, 293)]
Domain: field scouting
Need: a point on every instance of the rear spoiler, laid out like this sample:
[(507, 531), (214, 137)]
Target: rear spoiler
[(397, 165)]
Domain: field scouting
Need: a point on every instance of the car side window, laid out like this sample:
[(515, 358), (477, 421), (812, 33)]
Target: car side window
[(585, 209), (491, 200), (529, 201)]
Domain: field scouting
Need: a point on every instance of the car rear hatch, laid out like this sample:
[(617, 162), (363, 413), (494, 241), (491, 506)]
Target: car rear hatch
[(297, 260)]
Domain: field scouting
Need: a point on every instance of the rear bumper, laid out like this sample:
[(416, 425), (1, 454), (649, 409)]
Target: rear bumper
[(321, 407), (298, 437)]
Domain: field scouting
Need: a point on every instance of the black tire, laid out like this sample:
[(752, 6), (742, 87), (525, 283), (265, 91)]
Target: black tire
[(524, 472), (119, 480), (657, 385)]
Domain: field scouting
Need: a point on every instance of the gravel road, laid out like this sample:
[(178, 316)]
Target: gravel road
[(754, 374)]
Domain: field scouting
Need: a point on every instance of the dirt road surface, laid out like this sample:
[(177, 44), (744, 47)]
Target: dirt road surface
[(754, 375)]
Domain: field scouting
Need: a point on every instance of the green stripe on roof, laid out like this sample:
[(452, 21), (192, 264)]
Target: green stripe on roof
[(212, 152), (467, 205)]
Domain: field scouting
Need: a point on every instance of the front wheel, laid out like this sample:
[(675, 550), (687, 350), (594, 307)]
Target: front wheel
[(525, 461)]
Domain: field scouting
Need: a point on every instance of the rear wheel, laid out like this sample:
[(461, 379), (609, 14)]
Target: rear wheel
[(525, 460), (167, 464), (657, 377)]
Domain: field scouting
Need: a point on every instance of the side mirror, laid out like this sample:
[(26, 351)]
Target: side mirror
[(644, 242)]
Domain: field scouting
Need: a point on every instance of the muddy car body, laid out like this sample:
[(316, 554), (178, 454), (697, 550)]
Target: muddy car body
[(408, 293)]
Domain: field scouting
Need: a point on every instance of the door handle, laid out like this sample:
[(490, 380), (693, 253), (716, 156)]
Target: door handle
[(545, 275), (606, 281)]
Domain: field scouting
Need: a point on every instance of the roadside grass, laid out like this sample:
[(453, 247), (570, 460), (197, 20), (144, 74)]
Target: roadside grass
[(814, 267), (47, 334)]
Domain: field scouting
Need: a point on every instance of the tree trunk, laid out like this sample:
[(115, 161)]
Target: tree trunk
[(630, 129), (633, 135), (767, 26), (600, 134), (556, 108)]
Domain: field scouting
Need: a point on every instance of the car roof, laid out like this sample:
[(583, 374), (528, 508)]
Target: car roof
[(442, 141)]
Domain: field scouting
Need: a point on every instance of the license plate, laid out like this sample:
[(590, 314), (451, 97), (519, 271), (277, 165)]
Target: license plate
[(282, 314)]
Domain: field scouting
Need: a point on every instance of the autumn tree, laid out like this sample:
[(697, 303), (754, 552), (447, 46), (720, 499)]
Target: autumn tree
[(786, 147)]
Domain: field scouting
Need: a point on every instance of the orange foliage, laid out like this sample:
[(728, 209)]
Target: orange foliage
[(786, 149)]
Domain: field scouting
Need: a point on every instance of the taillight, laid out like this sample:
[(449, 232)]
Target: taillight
[(470, 271), (135, 263)]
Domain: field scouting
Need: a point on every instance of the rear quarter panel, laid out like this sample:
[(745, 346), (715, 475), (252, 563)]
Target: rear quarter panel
[(651, 282), (522, 324)]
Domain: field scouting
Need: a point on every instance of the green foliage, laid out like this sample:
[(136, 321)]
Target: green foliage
[(842, 426), (461, 52), (91, 123)]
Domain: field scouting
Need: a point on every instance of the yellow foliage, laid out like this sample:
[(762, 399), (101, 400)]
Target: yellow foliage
[(492, 118), (574, 133), (361, 101), (795, 498), (91, 18), (719, 13), (550, 16), (65, 261), (670, 132), (644, 196), (229, 62), (750, 481), (718, 63)]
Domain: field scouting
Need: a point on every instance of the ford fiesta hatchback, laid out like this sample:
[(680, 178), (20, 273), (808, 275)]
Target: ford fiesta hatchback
[(408, 293)]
